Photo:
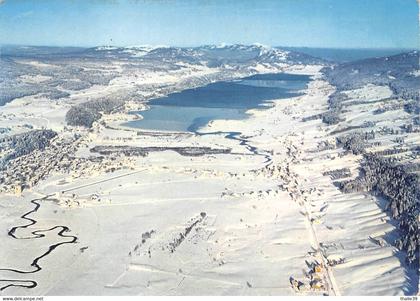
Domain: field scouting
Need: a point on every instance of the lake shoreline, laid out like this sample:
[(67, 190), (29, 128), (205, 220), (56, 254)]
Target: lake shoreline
[(191, 109)]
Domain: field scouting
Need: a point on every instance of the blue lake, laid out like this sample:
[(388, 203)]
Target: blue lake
[(191, 109)]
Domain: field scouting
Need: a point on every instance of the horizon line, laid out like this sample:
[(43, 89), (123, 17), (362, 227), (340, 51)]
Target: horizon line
[(202, 45)]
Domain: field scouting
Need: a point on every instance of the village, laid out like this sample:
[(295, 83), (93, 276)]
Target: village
[(25, 172)]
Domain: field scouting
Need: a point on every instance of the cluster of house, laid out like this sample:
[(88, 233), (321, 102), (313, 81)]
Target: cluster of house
[(316, 278), (26, 171), (73, 200)]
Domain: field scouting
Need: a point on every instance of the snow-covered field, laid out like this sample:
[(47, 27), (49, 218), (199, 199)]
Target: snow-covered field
[(260, 219), (215, 224)]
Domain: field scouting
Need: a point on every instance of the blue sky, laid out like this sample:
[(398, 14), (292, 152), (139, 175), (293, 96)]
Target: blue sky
[(312, 23)]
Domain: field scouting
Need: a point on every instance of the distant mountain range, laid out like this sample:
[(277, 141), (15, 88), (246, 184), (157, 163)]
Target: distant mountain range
[(325, 54), (211, 55)]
